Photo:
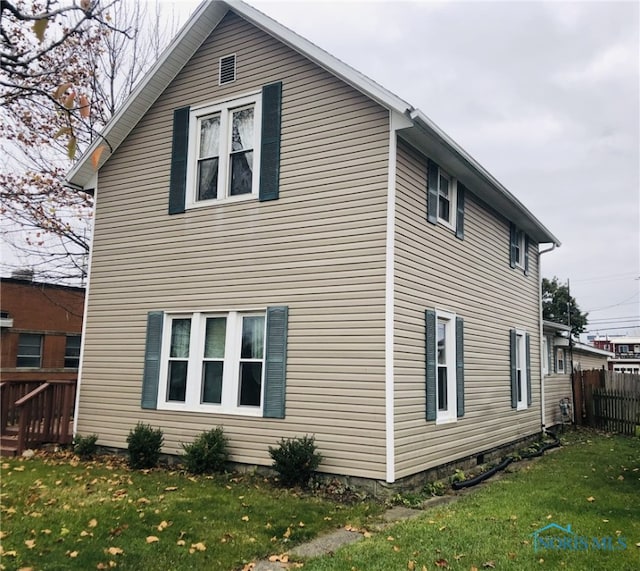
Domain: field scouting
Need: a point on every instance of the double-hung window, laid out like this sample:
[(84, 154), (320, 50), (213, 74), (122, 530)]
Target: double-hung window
[(518, 249), (560, 366), (224, 151), (445, 199), (520, 369), (444, 366), (72, 352), (29, 351), (213, 362)]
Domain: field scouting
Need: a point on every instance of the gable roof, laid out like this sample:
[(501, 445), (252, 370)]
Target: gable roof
[(422, 132)]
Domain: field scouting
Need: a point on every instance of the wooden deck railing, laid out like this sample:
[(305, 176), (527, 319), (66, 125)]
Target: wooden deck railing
[(40, 412)]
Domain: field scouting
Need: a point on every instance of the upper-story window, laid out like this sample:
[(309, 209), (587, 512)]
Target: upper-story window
[(518, 249), (224, 151), (623, 348), (29, 350), (445, 199)]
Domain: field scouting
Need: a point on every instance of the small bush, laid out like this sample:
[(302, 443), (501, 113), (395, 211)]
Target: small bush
[(85, 446), (295, 460), (144, 446), (207, 453)]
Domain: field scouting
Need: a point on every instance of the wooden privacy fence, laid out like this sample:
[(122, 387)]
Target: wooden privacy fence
[(607, 400)]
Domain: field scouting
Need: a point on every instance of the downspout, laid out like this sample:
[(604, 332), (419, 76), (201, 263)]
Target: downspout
[(542, 411)]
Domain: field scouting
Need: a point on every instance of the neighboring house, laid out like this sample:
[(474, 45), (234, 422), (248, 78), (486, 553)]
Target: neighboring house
[(40, 327), (556, 370), (626, 353), (282, 247), (586, 357)]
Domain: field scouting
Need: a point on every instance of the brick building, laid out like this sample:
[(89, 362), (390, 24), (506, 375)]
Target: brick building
[(41, 327)]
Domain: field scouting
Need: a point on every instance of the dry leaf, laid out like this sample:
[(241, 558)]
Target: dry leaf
[(30, 543), (3, 534), (489, 564), (163, 525), (73, 554), (301, 524), (198, 546), (396, 548), (171, 489), (367, 534), (152, 539), (284, 558), (591, 499), (411, 565), (442, 563), (93, 522), (245, 518), (181, 542), (114, 551), (287, 533)]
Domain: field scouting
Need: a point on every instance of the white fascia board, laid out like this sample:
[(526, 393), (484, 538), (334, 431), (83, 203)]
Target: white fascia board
[(443, 148), (581, 347)]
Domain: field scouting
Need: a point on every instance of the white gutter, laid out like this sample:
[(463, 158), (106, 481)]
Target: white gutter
[(542, 356)]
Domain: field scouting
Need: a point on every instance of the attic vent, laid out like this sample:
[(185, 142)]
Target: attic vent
[(227, 69)]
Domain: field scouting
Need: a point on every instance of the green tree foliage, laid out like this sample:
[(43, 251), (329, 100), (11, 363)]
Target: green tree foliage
[(558, 306)]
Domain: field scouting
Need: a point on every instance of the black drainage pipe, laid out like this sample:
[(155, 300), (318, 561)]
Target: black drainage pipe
[(486, 475)]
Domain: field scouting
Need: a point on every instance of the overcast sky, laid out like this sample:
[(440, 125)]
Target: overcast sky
[(545, 95)]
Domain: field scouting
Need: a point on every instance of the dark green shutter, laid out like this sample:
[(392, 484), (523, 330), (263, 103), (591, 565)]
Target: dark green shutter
[(153, 347), (460, 212), (432, 192), (430, 363), (178, 180), (270, 147), (526, 255), (514, 373), (513, 244), (528, 350), (276, 362), (460, 366)]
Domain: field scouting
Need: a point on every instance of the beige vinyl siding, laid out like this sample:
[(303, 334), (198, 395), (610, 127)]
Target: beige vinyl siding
[(471, 278), (319, 249), (556, 387), (586, 361)]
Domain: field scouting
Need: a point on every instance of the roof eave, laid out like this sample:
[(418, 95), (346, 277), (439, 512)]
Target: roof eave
[(444, 150)]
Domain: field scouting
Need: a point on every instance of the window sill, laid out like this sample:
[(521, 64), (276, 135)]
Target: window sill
[(211, 409), (521, 407), (446, 420), (216, 201)]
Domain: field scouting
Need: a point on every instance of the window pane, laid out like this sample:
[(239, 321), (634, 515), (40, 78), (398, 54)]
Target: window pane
[(444, 208), (241, 173), (250, 384), (72, 352), (180, 329), (209, 137), (212, 381), (252, 337), (242, 134), (177, 380), (29, 350), (442, 388), (208, 179), (519, 385), (214, 337), (444, 186), (442, 354)]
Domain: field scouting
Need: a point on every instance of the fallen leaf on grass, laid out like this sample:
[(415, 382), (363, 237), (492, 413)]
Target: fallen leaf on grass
[(3, 534), (489, 564), (114, 550), (197, 547), (245, 518), (152, 539), (249, 566), (171, 488), (284, 558), (396, 548), (367, 534), (591, 499), (93, 522), (181, 542), (30, 543), (163, 525), (442, 563), (411, 565), (287, 534), (73, 554)]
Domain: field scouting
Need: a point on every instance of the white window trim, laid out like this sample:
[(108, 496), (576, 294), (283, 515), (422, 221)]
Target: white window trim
[(224, 108), (450, 414), (545, 355), (564, 357), (230, 383), (521, 242), (521, 348), (453, 200)]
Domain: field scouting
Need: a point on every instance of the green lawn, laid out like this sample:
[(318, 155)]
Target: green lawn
[(592, 484), (58, 513)]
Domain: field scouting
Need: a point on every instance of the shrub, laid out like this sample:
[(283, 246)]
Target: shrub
[(144, 446), (295, 460), (85, 446), (207, 453)]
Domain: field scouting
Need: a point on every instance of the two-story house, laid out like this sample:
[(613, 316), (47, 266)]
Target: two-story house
[(283, 247), (626, 353)]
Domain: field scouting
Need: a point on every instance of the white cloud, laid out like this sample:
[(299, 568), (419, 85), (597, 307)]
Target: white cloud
[(616, 62)]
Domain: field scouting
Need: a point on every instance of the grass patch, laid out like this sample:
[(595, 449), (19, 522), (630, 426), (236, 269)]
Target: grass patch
[(59, 513), (592, 483)]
